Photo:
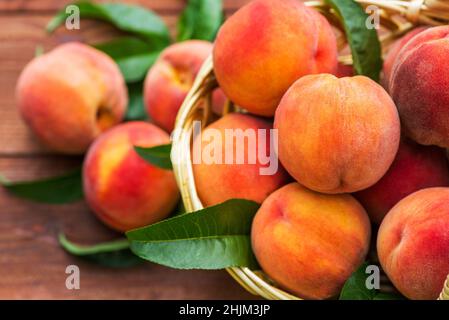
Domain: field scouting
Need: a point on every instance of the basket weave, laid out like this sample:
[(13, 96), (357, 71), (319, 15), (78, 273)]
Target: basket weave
[(396, 18)]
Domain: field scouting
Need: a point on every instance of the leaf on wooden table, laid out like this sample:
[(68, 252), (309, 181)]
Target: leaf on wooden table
[(114, 254), (133, 56), (136, 108), (201, 20), (133, 19), (57, 190), (212, 238), (39, 50)]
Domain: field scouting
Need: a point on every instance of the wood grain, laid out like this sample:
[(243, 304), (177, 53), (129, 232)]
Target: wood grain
[(32, 265), (156, 5)]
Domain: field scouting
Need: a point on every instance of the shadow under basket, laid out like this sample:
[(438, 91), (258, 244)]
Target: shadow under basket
[(395, 17)]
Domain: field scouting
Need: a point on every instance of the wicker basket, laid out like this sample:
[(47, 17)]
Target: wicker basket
[(396, 18)]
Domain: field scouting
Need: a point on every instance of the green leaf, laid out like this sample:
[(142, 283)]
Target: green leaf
[(114, 254), (39, 50), (136, 109), (212, 238), (180, 209), (158, 155), (57, 190), (355, 288), (133, 56), (201, 20), (364, 42), (134, 19)]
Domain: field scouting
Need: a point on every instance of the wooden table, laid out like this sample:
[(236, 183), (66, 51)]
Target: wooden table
[(32, 265)]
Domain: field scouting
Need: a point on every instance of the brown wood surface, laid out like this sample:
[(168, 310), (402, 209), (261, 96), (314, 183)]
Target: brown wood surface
[(32, 265)]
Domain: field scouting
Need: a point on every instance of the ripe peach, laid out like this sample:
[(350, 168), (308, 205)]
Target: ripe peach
[(266, 46), (337, 135), (70, 95), (413, 243), (419, 84), (221, 180), (393, 53), (123, 190), (310, 243), (416, 167), (170, 79)]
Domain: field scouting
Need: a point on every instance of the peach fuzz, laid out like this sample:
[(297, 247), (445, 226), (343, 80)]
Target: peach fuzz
[(123, 190), (419, 84), (170, 79), (218, 182), (266, 46), (413, 243), (70, 95), (310, 243), (393, 53), (416, 167), (337, 135)]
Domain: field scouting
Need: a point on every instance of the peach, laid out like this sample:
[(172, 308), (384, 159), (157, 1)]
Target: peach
[(393, 53), (310, 243), (266, 46), (70, 95), (228, 177), (413, 243), (170, 79), (123, 190), (416, 167), (337, 135), (419, 84)]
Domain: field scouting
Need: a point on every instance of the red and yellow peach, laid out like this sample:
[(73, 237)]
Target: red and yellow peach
[(416, 167), (170, 79), (393, 52), (310, 243), (123, 190), (70, 95), (419, 84), (413, 243), (337, 135), (266, 46), (218, 181)]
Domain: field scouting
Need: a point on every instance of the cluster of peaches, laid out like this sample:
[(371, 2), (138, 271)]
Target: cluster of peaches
[(340, 139), (361, 155), (74, 99)]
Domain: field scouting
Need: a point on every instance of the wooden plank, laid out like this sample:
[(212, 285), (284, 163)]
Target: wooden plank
[(33, 265), (156, 5), (52, 5)]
